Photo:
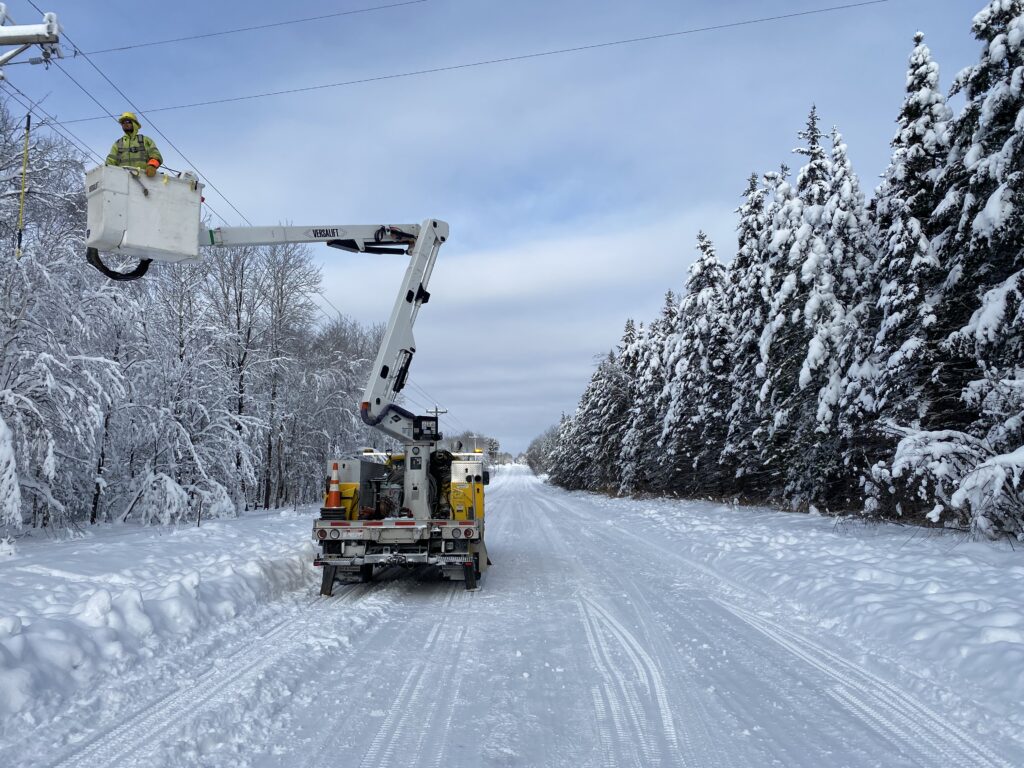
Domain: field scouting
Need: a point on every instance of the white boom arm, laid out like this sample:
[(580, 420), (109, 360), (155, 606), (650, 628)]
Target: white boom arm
[(391, 368)]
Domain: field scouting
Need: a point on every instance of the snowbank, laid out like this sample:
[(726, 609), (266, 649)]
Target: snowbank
[(73, 612)]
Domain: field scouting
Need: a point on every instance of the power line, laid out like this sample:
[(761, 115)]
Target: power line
[(508, 59), (154, 126), (323, 296), (79, 144), (50, 121), (66, 134), (434, 400), (157, 129), (255, 27)]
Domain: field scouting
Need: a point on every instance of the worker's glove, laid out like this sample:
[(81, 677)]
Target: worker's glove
[(150, 171)]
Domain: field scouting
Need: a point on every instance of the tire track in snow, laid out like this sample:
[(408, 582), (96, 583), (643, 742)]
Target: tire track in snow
[(626, 684), (604, 735), (453, 697), (637, 701), (427, 677), (623, 734), (681, 741), (907, 720), (612, 728), (649, 669), (329, 738), (957, 742), (127, 743)]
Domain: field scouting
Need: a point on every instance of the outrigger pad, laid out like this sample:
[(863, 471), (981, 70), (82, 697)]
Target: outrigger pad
[(93, 257)]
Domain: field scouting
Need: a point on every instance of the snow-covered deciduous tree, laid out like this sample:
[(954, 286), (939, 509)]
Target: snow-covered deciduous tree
[(10, 491), (53, 388), (156, 400)]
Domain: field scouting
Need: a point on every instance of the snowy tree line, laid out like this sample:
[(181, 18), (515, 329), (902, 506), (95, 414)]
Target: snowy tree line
[(200, 390), (851, 355)]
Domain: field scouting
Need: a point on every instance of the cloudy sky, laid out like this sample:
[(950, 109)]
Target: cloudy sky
[(574, 183)]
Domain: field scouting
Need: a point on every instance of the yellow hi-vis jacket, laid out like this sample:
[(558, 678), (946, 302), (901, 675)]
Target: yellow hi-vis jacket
[(134, 150)]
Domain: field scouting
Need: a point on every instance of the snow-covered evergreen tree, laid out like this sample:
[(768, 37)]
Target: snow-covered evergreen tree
[(638, 457), (748, 288), (975, 390), (767, 241), (846, 408), (910, 275), (697, 391), (589, 442), (799, 342)]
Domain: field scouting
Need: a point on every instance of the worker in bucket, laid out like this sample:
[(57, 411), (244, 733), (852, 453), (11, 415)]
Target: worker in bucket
[(133, 149)]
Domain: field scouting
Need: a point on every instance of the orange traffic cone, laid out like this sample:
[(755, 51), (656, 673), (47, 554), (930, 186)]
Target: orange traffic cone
[(333, 500)]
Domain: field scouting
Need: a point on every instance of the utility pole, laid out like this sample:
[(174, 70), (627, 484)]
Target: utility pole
[(24, 36), (437, 411)]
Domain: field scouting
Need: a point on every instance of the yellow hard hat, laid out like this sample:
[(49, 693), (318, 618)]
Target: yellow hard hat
[(129, 116)]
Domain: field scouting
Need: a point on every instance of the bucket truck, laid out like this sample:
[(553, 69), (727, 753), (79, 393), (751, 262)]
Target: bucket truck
[(424, 507)]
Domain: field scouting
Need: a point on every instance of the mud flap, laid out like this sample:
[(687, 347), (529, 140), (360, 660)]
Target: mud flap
[(327, 585)]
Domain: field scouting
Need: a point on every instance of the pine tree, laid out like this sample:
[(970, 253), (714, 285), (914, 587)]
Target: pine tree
[(696, 392), (756, 279), (638, 456), (910, 274), (845, 403), (976, 416), (748, 286), (589, 442), (799, 343)]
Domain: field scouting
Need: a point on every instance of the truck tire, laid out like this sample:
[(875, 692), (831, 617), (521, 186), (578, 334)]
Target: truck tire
[(327, 585), (366, 572)]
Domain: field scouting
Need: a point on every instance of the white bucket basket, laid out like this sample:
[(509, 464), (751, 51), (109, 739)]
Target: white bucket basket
[(131, 214)]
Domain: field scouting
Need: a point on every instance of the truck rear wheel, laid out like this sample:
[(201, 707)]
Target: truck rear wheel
[(327, 585), (366, 572)]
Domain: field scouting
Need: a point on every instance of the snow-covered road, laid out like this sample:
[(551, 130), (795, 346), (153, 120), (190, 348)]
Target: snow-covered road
[(608, 633)]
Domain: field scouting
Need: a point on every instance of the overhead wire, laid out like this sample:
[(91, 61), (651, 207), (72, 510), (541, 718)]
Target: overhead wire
[(509, 59), (449, 415), (434, 70), (237, 30), (79, 145), (256, 27), (164, 136), (136, 108), (63, 132), (49, 120)]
